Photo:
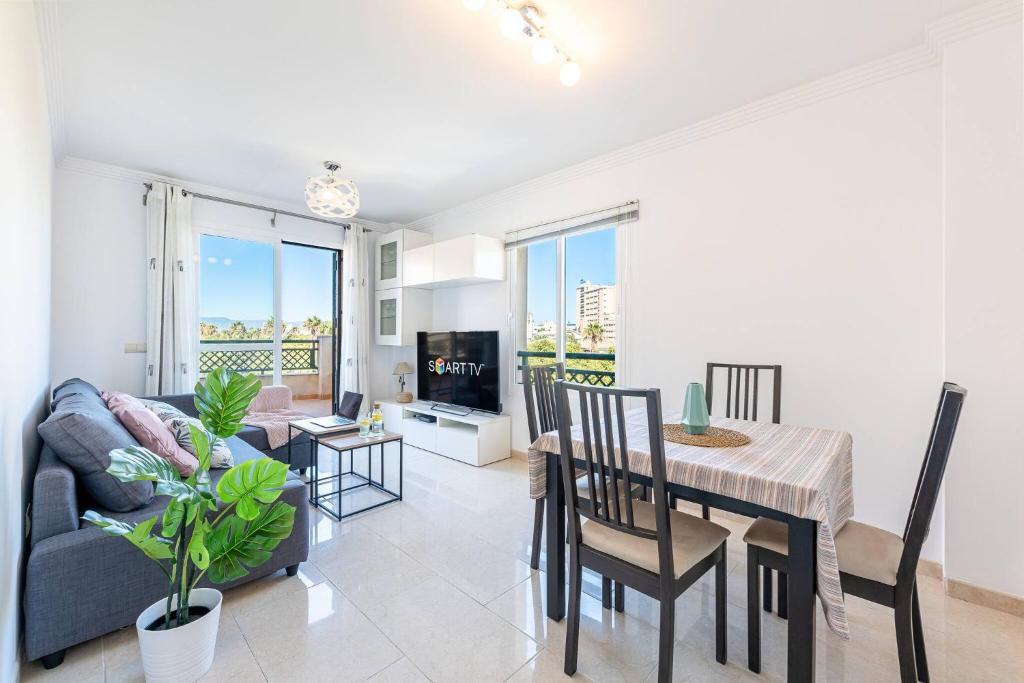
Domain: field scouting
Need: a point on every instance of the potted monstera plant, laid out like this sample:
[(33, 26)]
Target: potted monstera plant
[(203, 533)]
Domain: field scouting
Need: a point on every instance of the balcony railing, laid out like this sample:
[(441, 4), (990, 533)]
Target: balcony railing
[(578, 374), (257, 355)]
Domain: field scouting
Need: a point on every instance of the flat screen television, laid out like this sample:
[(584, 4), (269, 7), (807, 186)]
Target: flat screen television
[(459, 369)]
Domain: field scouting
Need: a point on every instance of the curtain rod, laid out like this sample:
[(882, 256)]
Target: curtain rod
[(633, 204), (268, 209)]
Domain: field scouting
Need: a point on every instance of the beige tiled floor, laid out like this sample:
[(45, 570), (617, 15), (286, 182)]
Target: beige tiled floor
[(438, 587)]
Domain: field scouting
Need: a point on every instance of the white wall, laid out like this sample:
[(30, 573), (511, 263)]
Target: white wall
[(984, 202), (25, 181), (99, 276), (810, 239)]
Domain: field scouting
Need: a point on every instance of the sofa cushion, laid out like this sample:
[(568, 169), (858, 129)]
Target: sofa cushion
[(82, 432), (73, 387), (164, 411), (118, 400), (153, 434), (220, 455)]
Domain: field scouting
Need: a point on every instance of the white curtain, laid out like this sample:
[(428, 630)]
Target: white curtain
[(355, 311), (172, 310)]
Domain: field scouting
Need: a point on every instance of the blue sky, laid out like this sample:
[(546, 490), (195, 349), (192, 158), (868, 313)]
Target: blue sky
[(590, 256), (237, 280)]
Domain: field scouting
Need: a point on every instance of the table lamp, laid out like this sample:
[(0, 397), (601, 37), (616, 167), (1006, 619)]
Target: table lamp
[(403, 369)]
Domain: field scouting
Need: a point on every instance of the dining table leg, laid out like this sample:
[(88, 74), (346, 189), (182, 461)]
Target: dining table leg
[(554, 522), (802, 598)]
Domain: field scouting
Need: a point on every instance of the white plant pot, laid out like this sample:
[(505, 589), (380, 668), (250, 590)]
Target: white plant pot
[(183, 654)]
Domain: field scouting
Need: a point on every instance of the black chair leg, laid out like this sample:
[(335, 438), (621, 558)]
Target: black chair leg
[(720, 609), (767, 576), (753, 612), (672, 500), (620, 597), (291, 570), (905, 639), (538, 529), (572, 628), (705, 512), (606, 592), (53, 660), (666, 637), (919, 653), (783, 595)]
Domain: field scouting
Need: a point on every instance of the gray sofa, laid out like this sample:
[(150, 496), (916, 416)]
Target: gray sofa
[(81, 583)]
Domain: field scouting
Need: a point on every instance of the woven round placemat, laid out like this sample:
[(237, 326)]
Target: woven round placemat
[(714, 437)]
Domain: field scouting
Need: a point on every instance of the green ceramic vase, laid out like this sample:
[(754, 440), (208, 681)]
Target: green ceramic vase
[(695, 410)]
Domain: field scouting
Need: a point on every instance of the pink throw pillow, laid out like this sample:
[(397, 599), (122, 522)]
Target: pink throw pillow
[(151, 433), (118, 400)]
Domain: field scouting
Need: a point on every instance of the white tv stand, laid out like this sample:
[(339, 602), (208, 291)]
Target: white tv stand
[(476, 439)]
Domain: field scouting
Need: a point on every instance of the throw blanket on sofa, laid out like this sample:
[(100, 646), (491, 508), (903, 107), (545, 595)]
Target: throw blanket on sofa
[(271, 411)]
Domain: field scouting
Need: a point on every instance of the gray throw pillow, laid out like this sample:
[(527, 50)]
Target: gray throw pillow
[(82, 435), (75, 386)]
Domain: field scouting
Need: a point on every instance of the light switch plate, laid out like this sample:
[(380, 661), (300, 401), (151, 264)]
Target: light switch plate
[(135, 347)]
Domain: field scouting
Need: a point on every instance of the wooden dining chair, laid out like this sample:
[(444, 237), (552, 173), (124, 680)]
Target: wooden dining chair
[(647, 546), (743, 395), (539, 390), (874, 564)]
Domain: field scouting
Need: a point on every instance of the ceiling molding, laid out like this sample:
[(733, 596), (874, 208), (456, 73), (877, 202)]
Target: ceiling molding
[(937, 35), (48, 29), (137, 177)]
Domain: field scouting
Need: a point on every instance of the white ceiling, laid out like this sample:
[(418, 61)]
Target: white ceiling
[(423, 102)]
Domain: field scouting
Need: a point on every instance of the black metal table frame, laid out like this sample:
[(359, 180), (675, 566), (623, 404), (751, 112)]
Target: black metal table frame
[(802, 578), (315, 479)]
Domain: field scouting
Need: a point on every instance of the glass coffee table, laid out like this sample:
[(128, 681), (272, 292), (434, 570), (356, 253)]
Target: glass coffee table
[(343, 483)]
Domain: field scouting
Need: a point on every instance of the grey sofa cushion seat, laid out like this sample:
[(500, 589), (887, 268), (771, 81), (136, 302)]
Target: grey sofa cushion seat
[(240, 450), (82, 434)]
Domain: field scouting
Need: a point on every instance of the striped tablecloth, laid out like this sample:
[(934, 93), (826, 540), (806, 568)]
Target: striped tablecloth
[(801, 471)]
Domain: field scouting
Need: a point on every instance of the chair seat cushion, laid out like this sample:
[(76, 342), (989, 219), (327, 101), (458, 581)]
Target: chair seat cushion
[(693, 539), (863, 550)]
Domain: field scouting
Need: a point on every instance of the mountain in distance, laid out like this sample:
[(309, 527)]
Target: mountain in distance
[(223, 323)]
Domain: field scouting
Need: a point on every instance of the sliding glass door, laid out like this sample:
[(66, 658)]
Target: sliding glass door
[(272, 308)]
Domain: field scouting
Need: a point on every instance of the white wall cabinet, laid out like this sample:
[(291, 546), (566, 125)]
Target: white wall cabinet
[(466, 260), (400, 313), (389, 256)]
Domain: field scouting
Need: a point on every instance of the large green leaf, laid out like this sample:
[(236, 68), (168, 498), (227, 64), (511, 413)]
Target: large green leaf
[(135, 463), (197, 549), (252, 482), (223, 399), (156, 548), (201, 445), (235, 544)]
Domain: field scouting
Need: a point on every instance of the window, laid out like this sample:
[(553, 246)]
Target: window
[(566, 304)]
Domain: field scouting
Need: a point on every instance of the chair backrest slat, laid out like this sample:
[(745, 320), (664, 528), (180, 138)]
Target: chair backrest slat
[(605, 452), (539, 392), (933, 469), (620, 420), (741, 400)]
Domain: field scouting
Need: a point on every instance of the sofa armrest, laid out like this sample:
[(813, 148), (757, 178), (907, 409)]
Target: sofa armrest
[(54, 498), (183, 402)]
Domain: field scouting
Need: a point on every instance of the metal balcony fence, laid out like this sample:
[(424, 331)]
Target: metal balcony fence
[(575, 370), (257, 355)]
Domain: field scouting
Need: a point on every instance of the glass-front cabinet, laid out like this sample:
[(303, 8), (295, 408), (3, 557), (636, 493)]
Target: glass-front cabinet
[(399, 314), (389, 255)]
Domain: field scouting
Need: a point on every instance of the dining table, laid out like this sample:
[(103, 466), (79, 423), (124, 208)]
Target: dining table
[(802, 476)]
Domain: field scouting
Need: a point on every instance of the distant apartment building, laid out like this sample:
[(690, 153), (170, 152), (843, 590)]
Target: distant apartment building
[(539, 330), (596, 304)]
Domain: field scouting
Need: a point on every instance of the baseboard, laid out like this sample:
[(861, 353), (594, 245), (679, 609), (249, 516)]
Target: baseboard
[(986, 597), (929, 568)]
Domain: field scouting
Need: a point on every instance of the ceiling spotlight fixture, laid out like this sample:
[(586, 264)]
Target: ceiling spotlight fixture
[(512, 23), (332, 197), (569, 73), (526, 20)]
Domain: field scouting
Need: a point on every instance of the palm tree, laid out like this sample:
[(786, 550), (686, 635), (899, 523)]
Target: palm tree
[(314, 325), (594, 334), (267, 331), (237, 330), (208, 331)]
